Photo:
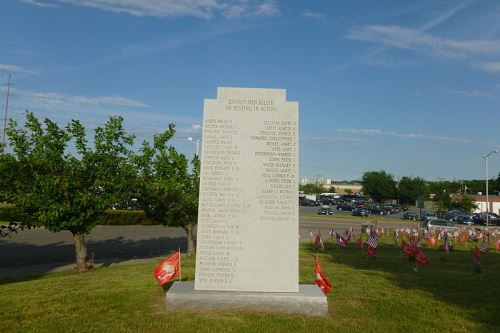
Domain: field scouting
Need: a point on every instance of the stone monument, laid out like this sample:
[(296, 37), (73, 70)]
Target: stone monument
[(247, 234)]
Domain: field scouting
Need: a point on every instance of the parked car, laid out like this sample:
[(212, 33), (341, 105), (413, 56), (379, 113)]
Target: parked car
[(360, 212), (465, 219), (345, 206), (325, 210), (480, 218), (442, 224), (427, 216), (410, 216), (303, 201), (378, 210), (389, 210), (394, 208)]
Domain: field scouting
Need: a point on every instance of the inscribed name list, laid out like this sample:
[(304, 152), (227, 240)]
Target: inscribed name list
[(247, 236)]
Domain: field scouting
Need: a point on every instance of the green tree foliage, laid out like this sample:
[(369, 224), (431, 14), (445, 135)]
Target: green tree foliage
[(312, 188), (379, 185), (410, 188), (167, 188), (466, 203), (442, 199), (53, 188)]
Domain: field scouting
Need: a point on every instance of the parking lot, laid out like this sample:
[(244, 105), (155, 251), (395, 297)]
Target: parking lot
[(315, 209)]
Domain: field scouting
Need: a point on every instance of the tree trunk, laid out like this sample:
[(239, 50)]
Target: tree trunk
[(80, 252), (190, 240)]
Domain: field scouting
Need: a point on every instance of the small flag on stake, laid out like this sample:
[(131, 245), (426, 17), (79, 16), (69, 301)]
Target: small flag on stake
[(168, 269), (321, 280)]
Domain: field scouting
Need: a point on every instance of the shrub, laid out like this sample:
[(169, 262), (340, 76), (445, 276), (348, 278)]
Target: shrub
[(6, 213), (125, 217)]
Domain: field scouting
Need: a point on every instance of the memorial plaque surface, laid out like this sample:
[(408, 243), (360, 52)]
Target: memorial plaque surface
[(247, 237)]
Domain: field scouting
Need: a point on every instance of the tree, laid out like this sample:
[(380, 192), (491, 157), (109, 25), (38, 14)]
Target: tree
[(312, 188), (466, 203), (58, 190), (442, 198), (379, 185), (167, 188), (410, 188)]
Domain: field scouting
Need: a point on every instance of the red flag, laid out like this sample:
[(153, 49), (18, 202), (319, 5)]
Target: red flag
[(168, 269), (462, 239), (321, 280), (407, 249), (360, 243), (420, 258), (371, 251), (476, 253), (318, 243), (432, 241)]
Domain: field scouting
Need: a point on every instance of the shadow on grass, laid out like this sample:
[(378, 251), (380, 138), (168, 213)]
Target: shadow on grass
[(451, 279), (21, 261)]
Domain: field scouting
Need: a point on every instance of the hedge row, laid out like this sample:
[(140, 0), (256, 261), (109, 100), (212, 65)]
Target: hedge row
[(6, 212), (125, 217), (111, 217)]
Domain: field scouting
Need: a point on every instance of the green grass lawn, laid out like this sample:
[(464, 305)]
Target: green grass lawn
[(381, 295)]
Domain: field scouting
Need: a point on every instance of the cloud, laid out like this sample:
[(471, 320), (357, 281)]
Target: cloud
[(413, 39), (65, 101), (16, 69), (492, 67), (175, 42), (171, 8), (379, 132), (438, 18), (311, 14), (40, 4), (333, 142), (386, 62), (472, 93), (267, 8)]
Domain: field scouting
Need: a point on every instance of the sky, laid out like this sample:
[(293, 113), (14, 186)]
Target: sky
[(409, 87)]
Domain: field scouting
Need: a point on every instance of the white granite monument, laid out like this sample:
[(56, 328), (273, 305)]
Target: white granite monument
[(247, 236)]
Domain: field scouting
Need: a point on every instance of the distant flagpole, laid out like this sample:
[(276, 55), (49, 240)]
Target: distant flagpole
[(180, 269)]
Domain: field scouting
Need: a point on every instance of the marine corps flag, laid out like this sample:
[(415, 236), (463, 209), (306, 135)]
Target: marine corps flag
[(321, 280), (168, 269)]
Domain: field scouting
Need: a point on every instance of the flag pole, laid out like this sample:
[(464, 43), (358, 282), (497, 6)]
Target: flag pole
[(180, 269)]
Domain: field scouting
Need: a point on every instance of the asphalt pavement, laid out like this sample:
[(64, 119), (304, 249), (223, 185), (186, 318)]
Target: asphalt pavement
[(37, 251)]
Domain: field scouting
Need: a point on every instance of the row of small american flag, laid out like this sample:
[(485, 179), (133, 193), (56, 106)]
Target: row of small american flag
[(410, 244)]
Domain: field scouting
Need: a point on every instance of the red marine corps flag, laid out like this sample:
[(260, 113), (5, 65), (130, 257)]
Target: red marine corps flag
[(168, 269), (321, 280)]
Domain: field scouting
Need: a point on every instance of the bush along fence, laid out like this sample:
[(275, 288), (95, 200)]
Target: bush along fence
[(110, 217)]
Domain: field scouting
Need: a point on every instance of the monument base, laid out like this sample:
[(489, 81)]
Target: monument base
[(308, 301)]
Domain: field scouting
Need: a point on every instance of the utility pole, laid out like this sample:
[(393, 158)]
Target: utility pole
[(6, 110), (486, 167)]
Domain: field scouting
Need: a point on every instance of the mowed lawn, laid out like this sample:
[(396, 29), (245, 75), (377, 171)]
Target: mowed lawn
[(381, 295)]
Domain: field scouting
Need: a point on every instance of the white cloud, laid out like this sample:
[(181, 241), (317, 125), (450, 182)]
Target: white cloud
[(412, 39), (472, 93), (16, 69), (492, 67), (58, 100), (171, 8), (267, 8), (379, 132), (40, 4), (386, 62), (311, 14)]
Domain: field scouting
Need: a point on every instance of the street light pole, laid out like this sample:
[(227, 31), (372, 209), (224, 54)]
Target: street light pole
[(487, 199), (197, 145)]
